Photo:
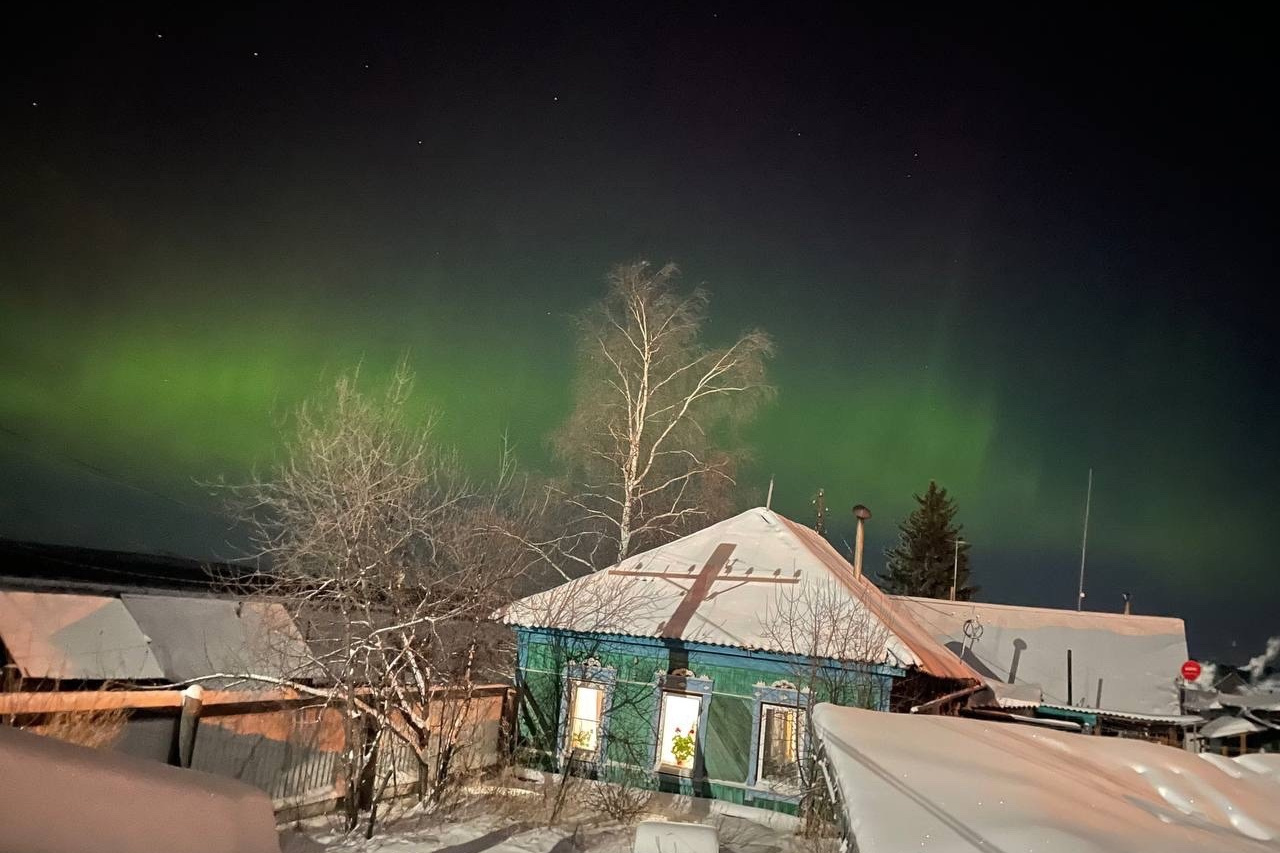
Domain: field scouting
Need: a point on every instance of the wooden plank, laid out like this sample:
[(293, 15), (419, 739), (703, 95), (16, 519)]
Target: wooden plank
[(55, 702), (96, 700)]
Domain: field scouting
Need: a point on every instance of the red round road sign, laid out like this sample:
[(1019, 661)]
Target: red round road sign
[(1190, 671)]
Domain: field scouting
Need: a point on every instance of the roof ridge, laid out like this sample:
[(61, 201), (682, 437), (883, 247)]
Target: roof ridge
[(1037, 607)]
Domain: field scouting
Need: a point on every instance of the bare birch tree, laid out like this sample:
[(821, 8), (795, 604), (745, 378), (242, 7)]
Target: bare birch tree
[(650, 441), (376, 543)]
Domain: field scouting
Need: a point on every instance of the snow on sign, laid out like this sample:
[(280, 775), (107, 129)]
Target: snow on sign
[(1190, 671)]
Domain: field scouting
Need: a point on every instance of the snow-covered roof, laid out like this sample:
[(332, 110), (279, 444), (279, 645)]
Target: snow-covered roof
[(1014, 695), (1229, 726), (74, 637), (1253, 700), (1133, 660), (949, 784), (197, 637), (726, 584)]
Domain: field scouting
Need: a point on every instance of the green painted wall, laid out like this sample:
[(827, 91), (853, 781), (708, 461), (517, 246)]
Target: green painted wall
[(632, 711)]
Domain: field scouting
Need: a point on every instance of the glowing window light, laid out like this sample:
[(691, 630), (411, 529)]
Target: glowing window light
[(585, 716), (680, 715)]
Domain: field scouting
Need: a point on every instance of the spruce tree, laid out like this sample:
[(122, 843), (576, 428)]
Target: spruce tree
[(923, 562)]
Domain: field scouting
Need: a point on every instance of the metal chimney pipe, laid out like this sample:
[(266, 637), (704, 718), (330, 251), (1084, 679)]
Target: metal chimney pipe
[(861, 513), (1127, 603)]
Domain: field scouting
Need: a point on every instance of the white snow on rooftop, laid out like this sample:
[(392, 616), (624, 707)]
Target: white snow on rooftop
[(719, 586), (947, 784), (1119, 663)]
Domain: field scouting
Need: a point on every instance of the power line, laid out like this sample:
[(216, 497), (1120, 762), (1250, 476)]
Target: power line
[(43, 451)]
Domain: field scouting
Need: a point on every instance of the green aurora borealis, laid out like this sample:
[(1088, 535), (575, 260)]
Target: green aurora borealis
[(168, 295)]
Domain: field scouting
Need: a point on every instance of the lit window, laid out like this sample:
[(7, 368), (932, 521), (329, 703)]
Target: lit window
[(782, 732), (587, 709), (678, 746)]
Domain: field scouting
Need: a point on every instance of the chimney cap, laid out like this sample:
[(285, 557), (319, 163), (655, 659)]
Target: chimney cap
[(861, 512)]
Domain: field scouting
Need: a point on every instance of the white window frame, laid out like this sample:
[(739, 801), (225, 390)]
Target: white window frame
[(801, 746), (663, 766), (602, 697)]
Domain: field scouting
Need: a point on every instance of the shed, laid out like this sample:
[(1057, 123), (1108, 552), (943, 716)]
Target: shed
[(1119, 662)]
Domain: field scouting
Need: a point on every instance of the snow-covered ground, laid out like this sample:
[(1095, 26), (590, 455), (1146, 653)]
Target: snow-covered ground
[(491, 825)]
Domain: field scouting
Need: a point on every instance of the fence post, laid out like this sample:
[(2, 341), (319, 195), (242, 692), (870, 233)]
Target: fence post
[(188, 721)]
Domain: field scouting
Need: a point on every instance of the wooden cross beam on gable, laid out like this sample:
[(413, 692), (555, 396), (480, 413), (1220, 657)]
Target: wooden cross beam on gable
[(715, 569)]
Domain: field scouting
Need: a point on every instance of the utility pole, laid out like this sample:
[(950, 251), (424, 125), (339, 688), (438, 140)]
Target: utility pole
[(1084, 542), (820, 512)]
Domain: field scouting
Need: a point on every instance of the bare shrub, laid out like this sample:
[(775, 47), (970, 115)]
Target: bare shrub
[(818, 838), (624, 797), (99, 729)]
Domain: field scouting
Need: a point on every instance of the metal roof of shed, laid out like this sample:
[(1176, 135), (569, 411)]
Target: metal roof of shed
[(1132, 660), (78, 637), (197, 637)]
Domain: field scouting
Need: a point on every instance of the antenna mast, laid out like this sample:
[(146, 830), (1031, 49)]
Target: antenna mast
[(820, 512), (1084, 542)]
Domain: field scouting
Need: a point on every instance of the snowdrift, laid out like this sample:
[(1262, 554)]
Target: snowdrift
[(909, 782)]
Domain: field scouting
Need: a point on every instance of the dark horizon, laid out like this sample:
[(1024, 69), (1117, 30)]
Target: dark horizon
[(993, 253)]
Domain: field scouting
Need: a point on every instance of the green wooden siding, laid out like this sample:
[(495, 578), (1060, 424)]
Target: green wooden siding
[(631, 716), (728, 737)]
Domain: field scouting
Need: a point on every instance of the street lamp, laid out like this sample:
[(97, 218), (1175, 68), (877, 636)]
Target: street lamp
[(955, 568)]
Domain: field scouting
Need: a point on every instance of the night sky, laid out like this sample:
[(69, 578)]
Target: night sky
[(992, 252)]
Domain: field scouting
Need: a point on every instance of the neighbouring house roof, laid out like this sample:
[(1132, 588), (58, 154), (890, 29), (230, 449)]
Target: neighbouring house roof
[(944, 784), (1230, 726), (1253, 700), (725, 584), (1136, 658), (197, 637), (74, 637)]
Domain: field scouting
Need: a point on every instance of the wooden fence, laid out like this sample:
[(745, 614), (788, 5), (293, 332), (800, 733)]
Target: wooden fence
[(288, 745)]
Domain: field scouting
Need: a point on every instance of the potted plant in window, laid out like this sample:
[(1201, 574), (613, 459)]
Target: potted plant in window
[(682, 747), (582, 739)]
